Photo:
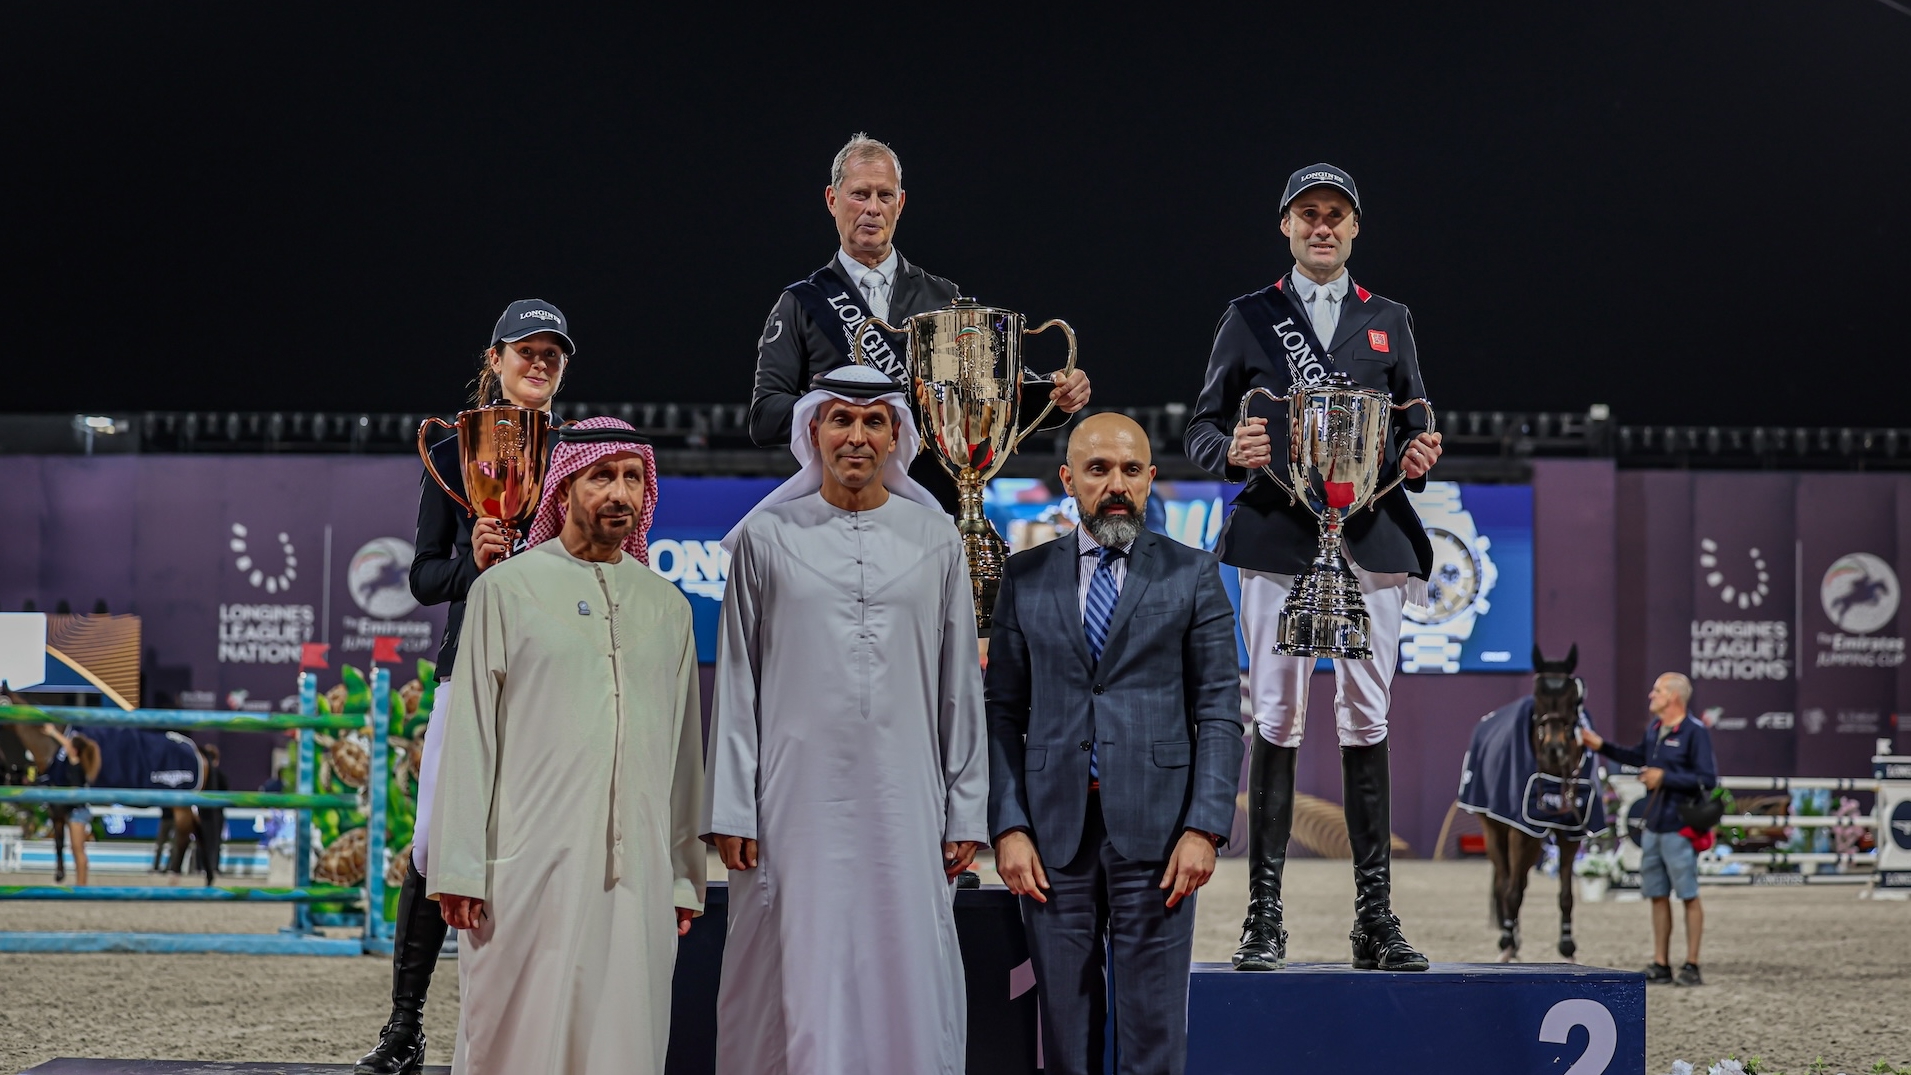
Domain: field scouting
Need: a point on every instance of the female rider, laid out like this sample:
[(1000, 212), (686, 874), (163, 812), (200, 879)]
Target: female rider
[(523, 367)]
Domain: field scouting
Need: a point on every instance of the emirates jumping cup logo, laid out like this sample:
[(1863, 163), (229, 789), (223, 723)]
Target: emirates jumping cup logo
[(380, 578), (1859, 593), (1745, 591)]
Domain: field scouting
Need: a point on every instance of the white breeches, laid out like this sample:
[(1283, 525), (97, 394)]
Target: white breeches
[(428, 777), (1277, 686)]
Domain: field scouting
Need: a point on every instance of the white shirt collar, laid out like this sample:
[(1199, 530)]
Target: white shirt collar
[(1335, 289), (1085, 543), (855, 269)]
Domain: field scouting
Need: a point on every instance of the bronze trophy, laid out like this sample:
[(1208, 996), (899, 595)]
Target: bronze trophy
[(501, 453), (965, 362), (1337, 437)]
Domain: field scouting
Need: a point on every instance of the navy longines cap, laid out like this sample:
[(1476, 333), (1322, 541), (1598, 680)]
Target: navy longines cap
[(1320, 175), (527, 316)]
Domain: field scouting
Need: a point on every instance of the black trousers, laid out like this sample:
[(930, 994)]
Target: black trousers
[(212, 830), (1107, 922)]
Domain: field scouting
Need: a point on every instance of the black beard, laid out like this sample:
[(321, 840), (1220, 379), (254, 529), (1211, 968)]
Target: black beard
[(1113, 531)]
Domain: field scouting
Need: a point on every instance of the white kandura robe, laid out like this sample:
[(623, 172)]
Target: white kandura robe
[(569, 786), (847, 738)]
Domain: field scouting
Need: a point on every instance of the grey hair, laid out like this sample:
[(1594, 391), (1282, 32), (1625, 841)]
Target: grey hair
[(861, 147), (1681, 686)]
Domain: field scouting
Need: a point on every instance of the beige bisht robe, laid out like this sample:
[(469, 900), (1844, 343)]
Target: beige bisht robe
[(569, 790)]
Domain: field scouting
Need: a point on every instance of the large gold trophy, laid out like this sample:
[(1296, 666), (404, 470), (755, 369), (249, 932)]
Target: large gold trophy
[(1337, 437), (501, 454), (965, 362)]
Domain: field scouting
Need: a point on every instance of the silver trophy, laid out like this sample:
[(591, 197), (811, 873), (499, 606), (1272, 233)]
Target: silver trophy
[(965, 362), (1337, 438)]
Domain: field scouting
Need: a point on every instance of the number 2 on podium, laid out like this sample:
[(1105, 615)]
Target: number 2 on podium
[(1602, 1035)]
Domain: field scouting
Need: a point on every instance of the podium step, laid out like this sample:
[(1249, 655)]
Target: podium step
[(1457, 1018), (73, 1066)]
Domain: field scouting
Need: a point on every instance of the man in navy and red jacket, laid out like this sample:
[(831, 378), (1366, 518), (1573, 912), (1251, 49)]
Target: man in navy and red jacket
[(1676, 766), (1312, 322)]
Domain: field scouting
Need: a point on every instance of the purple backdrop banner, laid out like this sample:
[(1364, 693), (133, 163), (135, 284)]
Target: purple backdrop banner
[(1850, 646), (233, 563), (1778, 593), (1742, 652)]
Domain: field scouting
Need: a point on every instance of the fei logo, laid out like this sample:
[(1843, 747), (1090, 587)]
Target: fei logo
[(1859, 593), (699, 568)]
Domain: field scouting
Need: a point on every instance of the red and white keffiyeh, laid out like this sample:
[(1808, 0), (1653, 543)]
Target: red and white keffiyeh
[(568, 459)]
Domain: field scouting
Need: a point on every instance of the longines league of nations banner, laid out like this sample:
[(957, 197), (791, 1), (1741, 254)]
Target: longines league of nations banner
[(1778, 593)]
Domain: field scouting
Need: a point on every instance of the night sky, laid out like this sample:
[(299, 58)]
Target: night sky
[(1693, 212)]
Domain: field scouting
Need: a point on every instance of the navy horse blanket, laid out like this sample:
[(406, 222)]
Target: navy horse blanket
[(139, 758), (1501, 779)]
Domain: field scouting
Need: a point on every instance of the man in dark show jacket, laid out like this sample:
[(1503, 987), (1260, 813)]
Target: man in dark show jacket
[(1314, 321), (810, 327), (1114, 713)]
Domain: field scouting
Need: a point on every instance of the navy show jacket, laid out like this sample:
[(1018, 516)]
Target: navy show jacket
[(1685, 753)]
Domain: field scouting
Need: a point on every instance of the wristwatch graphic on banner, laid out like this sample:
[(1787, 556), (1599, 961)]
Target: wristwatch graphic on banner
[(1463, 574)]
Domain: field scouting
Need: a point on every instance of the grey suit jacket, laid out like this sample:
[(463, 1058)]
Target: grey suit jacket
[(1164, 702)]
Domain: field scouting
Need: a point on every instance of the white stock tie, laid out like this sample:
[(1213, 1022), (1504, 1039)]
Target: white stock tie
[(1326, 312), (874, 291)]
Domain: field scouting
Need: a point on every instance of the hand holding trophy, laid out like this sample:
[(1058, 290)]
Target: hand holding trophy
[(502, 460), (965, 369), (1337, 437)]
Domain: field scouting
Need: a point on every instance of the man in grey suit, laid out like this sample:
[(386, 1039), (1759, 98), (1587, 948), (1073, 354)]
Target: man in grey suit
[(1114, 707)]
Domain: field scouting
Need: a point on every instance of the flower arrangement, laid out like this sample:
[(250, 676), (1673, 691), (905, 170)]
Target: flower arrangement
[(1756, 1065), (1601, 864)]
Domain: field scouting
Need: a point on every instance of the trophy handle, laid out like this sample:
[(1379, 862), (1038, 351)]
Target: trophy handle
[(432, 469), (1374, 504), (1069, 367), (856, 341), (1292, 496)]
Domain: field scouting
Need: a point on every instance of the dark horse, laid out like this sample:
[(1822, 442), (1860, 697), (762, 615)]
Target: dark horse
[(1557, 695)]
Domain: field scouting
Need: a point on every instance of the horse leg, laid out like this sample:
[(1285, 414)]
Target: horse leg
[(56, 820), (1522, 854), (183, 826), (1497, 852), (1568, 851)]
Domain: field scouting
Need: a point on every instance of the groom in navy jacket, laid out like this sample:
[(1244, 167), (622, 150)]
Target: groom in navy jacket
[(1114, 708)]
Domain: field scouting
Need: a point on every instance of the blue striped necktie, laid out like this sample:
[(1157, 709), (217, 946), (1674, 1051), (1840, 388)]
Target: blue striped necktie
[(1102, 595)]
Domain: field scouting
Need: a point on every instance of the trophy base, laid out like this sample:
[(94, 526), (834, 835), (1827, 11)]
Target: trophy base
[(1325, 615), (986, 552)]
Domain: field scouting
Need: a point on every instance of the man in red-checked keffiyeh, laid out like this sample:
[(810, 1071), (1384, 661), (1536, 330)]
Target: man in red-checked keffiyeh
[(564, 839)]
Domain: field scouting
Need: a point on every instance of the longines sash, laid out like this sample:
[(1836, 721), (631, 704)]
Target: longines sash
[(1284, 333), (837, 308)]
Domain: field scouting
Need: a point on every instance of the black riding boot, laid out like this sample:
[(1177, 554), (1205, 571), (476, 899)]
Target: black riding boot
[(1378, 944), (1270, 817), (414, 955)]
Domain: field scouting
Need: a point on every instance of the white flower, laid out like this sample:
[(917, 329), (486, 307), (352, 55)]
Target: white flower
[(1680, 1067), (1727, 1067)]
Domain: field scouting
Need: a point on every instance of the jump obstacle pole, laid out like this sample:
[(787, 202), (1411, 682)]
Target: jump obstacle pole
[(302, 937), (1887, 870)]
